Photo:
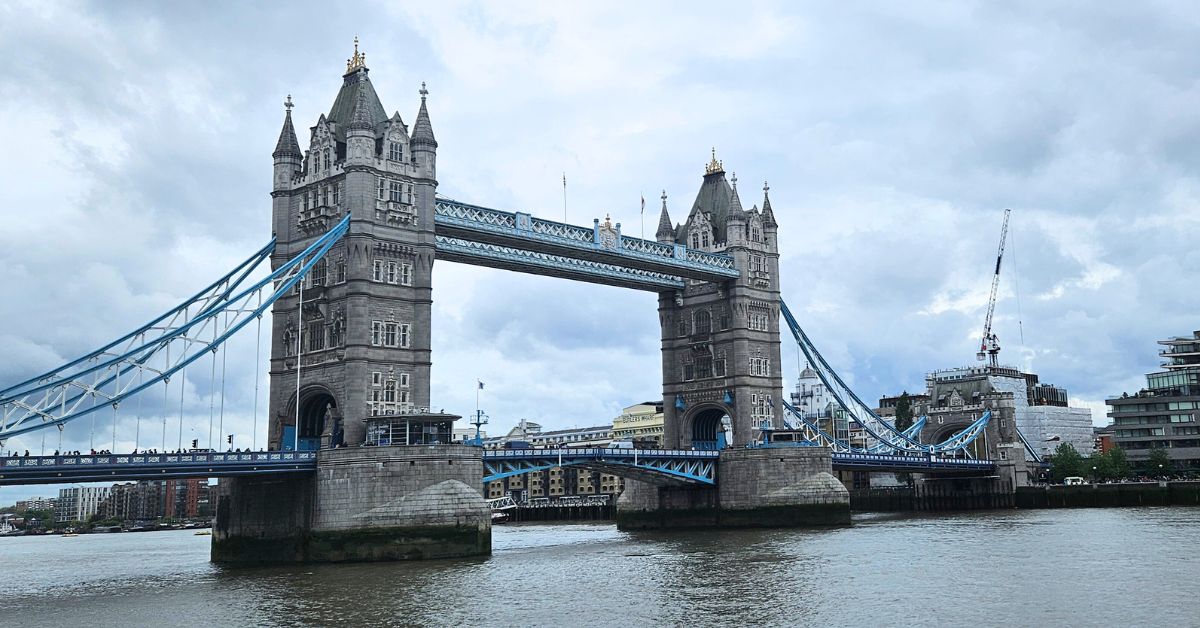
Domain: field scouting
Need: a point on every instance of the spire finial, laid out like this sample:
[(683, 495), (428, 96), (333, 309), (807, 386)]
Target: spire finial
[(287, 104), (664, 198), (766, 188), (423, 92), (735, 180), (359, 60), (714, 166)]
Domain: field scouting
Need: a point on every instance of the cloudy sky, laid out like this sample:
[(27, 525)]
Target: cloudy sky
[(137, 168)]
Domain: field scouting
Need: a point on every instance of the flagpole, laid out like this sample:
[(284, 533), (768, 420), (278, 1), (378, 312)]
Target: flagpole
[(643, 216), (564, 197)]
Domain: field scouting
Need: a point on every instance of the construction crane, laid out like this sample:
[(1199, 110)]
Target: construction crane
[(989, 345)]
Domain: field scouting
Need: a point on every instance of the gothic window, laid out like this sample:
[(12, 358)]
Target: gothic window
[(317, 274), (382, 189), (316, 335), (760, 367), (704, 238), (395, 151), (377, 271), (704, 367), (723, 321), (340, 271), (308, 201), (410, 194), (391, 272), (389, 334), (289, 342), (337, 194), (719, 367), (406, 274), (404, 380), (755, 233), (336, 332), (404, 335), (703, 322), (397, 192), (325, 159), (376, 378), (695, 239), (328, 195), (689, 372), (683, 327), (376, 333), (389, 391)]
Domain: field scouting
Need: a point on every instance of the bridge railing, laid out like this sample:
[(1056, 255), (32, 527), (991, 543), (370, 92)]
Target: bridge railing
[(567, 452), (97, 460)]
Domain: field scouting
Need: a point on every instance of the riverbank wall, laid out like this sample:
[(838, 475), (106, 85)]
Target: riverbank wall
[(1129, 494)]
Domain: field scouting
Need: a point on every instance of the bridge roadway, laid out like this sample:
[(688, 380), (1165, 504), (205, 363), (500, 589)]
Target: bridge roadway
[(656, 466)]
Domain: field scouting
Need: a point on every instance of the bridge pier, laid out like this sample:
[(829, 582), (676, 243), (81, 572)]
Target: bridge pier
[(760, 487), (364, 504)]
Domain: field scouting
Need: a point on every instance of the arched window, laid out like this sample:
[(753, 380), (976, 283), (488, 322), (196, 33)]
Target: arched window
[(703, 322), (325, 158), (695, 239)]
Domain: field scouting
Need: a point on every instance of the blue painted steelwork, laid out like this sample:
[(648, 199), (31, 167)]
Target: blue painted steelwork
[(129, 467), (520, 231), (106, 377), (487, 254), (660, 466), (907, 462)]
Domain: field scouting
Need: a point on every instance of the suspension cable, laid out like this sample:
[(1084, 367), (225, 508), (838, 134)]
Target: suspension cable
[(221, 419), (257, 376), (182, 389), (114, 406), (212, 388), (299, 360)]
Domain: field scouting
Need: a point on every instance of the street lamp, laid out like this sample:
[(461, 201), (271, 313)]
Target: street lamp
[(1094, 478)]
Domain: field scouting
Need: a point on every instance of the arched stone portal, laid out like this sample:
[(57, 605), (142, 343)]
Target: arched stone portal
[(706, 424), (318, 416)]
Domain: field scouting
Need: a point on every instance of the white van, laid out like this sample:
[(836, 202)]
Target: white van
[(1073, 480)]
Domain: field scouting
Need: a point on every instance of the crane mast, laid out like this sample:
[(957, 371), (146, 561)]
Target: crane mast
[(989, 345)]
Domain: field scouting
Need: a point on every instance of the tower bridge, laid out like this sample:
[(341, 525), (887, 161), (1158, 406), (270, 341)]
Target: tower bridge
[(357, 224)]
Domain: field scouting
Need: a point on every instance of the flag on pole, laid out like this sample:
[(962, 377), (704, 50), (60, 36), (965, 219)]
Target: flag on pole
[(480, 385), (643, 203)]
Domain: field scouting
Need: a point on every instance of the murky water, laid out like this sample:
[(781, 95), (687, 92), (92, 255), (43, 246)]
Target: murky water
[(1115, 567)]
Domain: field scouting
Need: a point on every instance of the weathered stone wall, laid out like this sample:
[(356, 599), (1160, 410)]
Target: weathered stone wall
[(1110, 495), (364, 504), (262, 519), (765, 487), (396, 503)]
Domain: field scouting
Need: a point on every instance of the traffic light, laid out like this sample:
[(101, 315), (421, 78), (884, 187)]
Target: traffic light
[(229, 439), (195, 443)]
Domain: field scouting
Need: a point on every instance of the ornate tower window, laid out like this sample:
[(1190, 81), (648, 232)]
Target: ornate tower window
[(703, 322), (395, 151), (340, 271), (377, 270), (318, 274), (315, 335), (382, 193)]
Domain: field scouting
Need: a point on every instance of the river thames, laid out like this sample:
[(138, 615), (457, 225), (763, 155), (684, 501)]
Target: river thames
[(1113, 567)]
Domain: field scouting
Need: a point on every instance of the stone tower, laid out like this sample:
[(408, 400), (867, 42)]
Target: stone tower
[(361, 338), (720, 342)]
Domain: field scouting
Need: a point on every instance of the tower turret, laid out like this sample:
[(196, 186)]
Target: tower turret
[(424, 145), (287, 155), (665, 233), (360, 133), (735, 230)]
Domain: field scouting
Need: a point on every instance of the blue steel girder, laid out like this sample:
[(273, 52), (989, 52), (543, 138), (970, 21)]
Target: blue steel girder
[(656, 466), (508, 258), (518, 230)]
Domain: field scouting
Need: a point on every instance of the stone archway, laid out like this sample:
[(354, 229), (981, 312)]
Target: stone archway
[(317, 417), (705, 425)]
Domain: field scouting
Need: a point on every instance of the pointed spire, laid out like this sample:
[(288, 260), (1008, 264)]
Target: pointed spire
[(287, 146), (714, 166), (361, 117), (422, 128), (768, 216), (397, 122), (665, 230), (735, 203)]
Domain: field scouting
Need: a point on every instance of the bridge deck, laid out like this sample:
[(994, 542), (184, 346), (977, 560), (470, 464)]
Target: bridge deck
[(658, 466)]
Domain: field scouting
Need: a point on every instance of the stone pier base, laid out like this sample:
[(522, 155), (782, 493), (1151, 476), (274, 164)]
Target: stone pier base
[(364, 504), (767, 487)]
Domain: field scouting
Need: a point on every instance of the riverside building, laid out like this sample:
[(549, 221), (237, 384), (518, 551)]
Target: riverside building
[(1165, 413)]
